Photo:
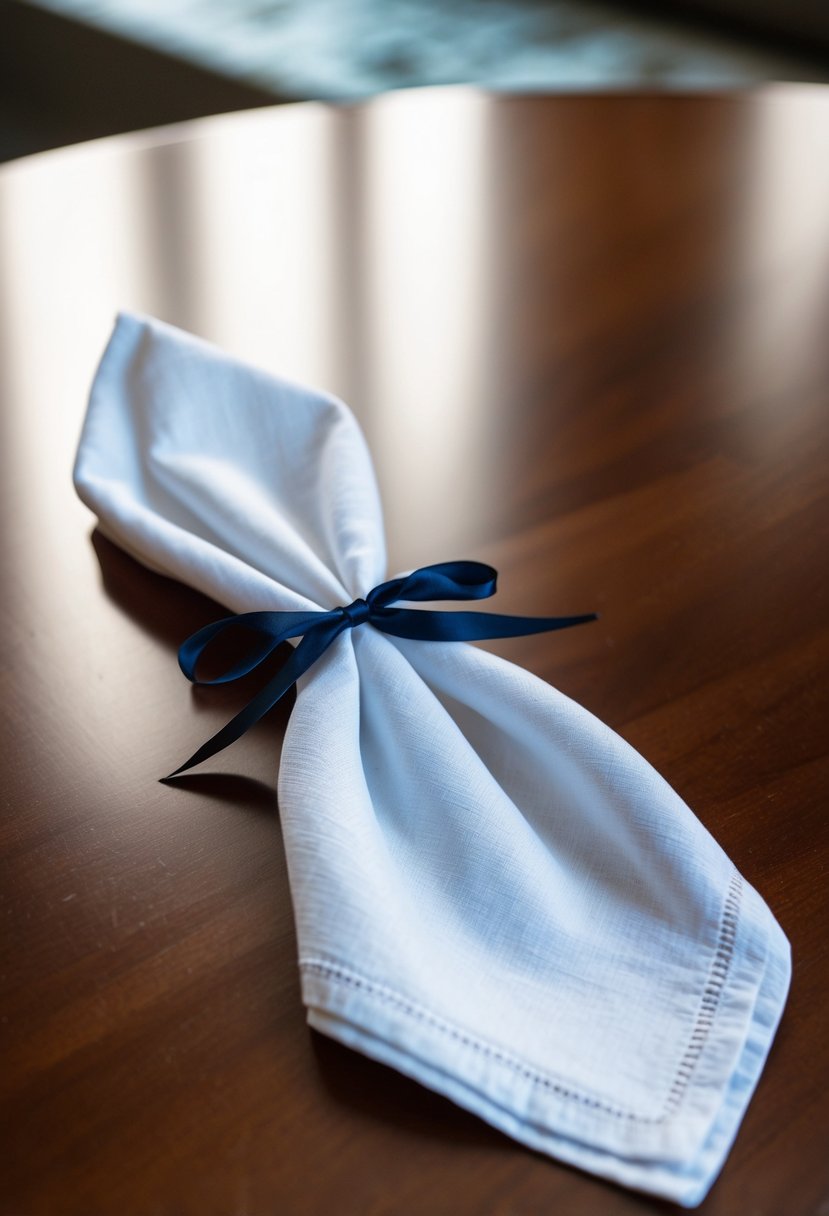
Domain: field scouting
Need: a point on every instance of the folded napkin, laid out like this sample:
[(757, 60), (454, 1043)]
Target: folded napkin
[(493, 892)]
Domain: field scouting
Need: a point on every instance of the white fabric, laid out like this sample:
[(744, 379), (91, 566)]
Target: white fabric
[(493, 892)]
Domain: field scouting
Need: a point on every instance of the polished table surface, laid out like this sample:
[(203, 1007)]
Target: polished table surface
[(588, 341)]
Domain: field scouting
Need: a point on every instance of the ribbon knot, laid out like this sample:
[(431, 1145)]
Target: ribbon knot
[(357, 613), (318, 629)]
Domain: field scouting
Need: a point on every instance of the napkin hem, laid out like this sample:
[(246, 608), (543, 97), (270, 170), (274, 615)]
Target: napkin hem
[(413, 1009), (366, 1016), (737, 936)]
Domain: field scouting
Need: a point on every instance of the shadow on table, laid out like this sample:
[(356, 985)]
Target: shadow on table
[(245, 792), (378, 1093), (169, 612), (375, 1090), (160, 606)]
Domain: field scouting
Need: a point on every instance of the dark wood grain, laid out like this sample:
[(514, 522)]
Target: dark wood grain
[(587, 340)]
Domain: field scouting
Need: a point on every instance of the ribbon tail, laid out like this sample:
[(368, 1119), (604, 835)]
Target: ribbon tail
[(306, 653), (429, 626)]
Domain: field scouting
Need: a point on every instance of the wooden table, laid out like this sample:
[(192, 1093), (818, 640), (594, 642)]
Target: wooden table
[(588, 340)]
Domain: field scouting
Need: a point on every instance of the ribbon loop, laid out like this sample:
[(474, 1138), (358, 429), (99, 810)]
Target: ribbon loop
[(459, 580)]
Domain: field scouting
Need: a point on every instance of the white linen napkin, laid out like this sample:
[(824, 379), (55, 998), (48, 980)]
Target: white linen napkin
[(493, 892)]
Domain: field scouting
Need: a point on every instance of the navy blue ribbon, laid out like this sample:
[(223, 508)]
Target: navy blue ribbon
[(444, 581)]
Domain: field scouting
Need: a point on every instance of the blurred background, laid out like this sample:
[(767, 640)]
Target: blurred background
[(78, 69)]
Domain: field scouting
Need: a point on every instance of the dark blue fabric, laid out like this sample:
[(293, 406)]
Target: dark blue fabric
[(444, 581)]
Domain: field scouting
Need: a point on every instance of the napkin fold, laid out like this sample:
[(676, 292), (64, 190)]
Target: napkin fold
[(493, 892)]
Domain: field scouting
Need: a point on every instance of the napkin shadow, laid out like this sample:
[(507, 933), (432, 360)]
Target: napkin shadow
[(381, 1094), (158, 605), (169, 612)]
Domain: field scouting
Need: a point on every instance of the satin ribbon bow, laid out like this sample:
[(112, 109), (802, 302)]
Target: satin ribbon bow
[(318, 629)]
